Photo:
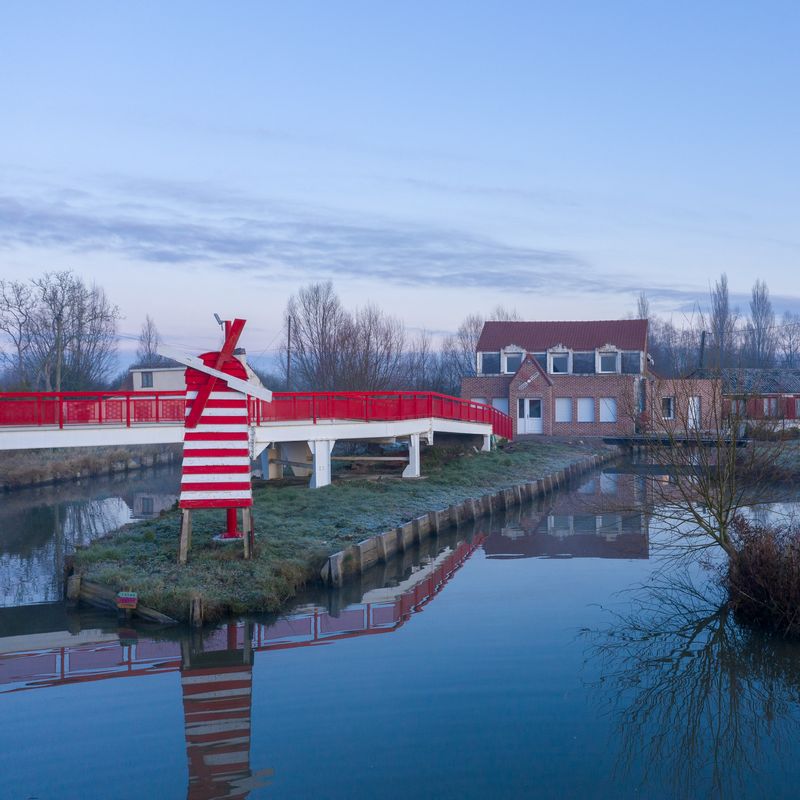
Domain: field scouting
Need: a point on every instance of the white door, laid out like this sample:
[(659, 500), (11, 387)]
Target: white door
[(694, 412), (529, 415)]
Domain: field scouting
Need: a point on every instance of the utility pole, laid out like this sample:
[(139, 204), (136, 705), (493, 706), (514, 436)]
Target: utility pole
[(702, 350), (289, 354)]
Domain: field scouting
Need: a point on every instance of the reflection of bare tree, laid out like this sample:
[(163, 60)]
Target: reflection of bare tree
[(40, 526), (697, 699)]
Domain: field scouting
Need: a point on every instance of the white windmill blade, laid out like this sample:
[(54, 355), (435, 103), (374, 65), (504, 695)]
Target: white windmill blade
[(248, 388)]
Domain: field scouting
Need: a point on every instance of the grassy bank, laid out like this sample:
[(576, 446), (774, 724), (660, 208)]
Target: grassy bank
[(42, 467), (297, 528)]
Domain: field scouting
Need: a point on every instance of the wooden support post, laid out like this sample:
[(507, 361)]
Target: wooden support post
[(73, 589), (248, 532), (186, 536), (196, 611)]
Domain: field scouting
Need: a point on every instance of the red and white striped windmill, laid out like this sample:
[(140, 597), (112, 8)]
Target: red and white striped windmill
[(216, 440)]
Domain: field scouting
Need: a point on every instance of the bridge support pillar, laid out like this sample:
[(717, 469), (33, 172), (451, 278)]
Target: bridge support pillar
[(270, 469), (412, 470), (297, 453), (321, 463), (487, 443)]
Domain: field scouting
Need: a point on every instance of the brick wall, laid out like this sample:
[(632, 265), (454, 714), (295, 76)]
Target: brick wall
[(529, 382), (487, 386), (681, 389)]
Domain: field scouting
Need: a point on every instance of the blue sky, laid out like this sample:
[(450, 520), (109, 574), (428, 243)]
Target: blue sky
[(433, 158)]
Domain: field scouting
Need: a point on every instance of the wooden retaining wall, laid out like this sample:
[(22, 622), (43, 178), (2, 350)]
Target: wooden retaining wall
[(381, 547)]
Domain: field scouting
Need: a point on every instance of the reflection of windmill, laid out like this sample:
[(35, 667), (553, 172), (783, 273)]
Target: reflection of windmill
[(217, 692)]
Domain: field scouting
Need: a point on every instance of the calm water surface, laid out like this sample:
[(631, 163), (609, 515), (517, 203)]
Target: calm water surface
[(547, 653)]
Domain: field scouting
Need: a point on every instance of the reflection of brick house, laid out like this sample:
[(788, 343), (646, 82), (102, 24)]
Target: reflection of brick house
[(601, 518), (563, 378)]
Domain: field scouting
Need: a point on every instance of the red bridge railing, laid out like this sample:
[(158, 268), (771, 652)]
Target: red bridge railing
[(62, 409), (377, 406)]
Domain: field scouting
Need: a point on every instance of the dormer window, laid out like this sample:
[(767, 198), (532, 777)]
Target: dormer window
[(489, 363), (512, 361), (559, 362), (607, 361)]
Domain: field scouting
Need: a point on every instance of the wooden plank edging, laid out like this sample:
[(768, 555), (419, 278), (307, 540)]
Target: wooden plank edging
[(382, 546)]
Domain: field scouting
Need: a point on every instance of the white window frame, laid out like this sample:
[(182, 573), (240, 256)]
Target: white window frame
[(512, 350), (585, 400), (599, 361), (555, 409), (604, 404), (559, 351), (671, 407), (149, 374), (479, 363), (771, 407)]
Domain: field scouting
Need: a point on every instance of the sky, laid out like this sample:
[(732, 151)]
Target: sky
[(433, 158)]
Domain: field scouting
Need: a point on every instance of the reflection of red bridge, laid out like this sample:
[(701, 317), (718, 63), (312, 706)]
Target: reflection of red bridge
[(216, 678), (88, 662)]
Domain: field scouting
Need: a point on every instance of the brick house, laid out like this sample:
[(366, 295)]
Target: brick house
[(563, 378)]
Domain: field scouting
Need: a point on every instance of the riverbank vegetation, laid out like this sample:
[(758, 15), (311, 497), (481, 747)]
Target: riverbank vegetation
[(762, 575), (298, 528)]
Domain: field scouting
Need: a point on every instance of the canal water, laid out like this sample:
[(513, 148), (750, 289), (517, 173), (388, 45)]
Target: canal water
[(551, 652)]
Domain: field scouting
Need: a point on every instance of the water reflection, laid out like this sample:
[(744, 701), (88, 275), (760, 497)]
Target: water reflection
[(579, 524), (39, 527), (700, 704), (217, 688)]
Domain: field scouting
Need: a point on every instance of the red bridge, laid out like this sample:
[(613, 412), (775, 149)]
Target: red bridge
[(298, 428)]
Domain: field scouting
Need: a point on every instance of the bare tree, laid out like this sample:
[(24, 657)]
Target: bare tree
[(502, 314), (723, 325), (66, 331), (319, 327), (760, 344), (789, 339), (372, 351), (642, 306), (16, 308), (147, 354)]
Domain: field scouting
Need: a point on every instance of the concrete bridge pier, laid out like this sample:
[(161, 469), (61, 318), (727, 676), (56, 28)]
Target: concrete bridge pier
[(321, 462), (412, 470)]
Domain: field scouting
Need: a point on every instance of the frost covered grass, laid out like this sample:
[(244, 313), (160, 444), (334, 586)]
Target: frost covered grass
[(298, 528)]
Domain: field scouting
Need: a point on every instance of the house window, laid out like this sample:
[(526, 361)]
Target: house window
[(563, 409), (739, 407), (608, 409), (631, 363), (500, 403), (147, 506), (770, 406), (668, 407), (541, 358), (797, 407), (147, 380), (478, 400), (513, 360), (586, 409), (559, 363), (490, 363), (583, 363), (607, 362)]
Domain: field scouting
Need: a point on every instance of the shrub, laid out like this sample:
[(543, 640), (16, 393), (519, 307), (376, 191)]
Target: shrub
[(763, 575)]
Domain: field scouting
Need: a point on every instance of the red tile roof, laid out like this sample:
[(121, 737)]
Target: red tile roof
[(536, 337)]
